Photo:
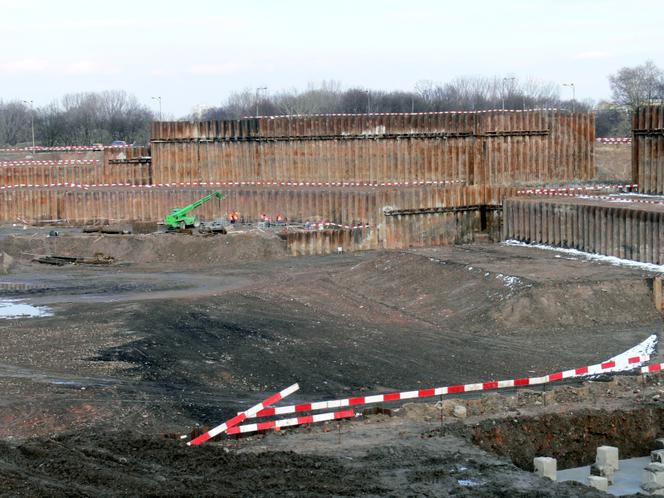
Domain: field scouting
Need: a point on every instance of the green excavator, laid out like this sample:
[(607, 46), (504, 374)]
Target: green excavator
[(180, 219)]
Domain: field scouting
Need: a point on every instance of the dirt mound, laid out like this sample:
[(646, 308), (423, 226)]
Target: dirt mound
[(129, 464), (454, 294), (152, 248)]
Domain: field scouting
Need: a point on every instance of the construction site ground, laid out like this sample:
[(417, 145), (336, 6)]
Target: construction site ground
[(184, 331)]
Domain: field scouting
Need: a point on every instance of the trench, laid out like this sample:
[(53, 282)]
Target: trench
[(571, 438)]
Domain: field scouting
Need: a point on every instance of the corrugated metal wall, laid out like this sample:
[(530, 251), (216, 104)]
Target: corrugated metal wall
[(499, 148), (626, 231), (355, 207), (484, 154), (648, 149), (113, 165)]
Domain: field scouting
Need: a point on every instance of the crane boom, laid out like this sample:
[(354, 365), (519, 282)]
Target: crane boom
[(178, 216)]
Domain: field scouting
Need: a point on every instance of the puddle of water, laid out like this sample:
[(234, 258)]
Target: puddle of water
[(13, 308)]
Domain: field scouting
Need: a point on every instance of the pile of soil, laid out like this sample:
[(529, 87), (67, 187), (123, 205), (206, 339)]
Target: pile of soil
[(152, 248), (128, 464)]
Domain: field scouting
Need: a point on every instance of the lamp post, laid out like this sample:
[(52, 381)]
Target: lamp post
[(158, 99), (32, 122), (512, 78), (261, 88), (571, 85)]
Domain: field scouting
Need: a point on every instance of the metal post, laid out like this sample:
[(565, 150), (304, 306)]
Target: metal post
[(511, 78), (571, 85), (258, 90), (32, 122), (158, 99)]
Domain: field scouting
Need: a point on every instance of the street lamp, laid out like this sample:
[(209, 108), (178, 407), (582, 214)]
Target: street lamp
[(512, 78), (32, 122), (571, 85), (158, 99), (261, 88)]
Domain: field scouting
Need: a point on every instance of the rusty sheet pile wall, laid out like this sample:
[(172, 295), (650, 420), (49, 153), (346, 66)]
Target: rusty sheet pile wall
[(494, 147), (386, 218), (383, 180), (624, 230), (648, 149), (112, 166)]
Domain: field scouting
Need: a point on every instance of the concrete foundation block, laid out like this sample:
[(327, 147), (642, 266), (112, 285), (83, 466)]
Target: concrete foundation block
[(653, 473), (652, 489), (602, 471), (607, 456), (657, 456), (597, 482), (546, 467)]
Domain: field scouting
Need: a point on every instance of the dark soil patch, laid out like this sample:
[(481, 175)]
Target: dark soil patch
[(128, 464), (571, 438)]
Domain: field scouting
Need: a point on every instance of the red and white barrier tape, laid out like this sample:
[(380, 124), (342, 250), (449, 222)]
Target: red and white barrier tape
[(655, 367), (60, 162), (615, 140), (484, 111), (620, 200), (64, 148), (235, 184), (321, 226), (605, 367), (554, 190), (250, 413), (291, 422)]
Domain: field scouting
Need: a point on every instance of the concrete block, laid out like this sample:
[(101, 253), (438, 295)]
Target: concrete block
[(607, 456), (602, 471), (657, 456), (653, 474), (652, 489), (546, 467), (659, 444), (597, 482), (460, 411)]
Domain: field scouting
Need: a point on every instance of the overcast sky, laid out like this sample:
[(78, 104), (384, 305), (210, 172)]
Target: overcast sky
[(198, 52)]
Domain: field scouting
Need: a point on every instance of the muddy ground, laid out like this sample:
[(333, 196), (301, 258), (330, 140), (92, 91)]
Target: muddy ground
[(145, 348)]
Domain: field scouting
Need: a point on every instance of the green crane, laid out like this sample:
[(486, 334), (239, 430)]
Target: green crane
[(178, 217)]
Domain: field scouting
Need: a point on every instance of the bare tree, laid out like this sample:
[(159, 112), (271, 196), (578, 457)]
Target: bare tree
[(14, 123), (638, 85)]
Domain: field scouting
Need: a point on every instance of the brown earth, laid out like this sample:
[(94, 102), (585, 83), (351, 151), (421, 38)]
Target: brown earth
[(164, 346), (614, 162)]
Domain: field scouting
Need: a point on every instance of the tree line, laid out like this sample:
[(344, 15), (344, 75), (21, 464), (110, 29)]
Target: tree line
[(77, 119), (100, 117)]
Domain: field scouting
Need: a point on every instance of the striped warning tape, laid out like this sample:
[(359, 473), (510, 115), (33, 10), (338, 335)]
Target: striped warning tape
[(61, 148), (61, 162), (290, 422), (250, 413), (555, 190), (615, 140), (321, 226), (623, 200), (425, 113), (655, 367), (606, 367), (236, 184)]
